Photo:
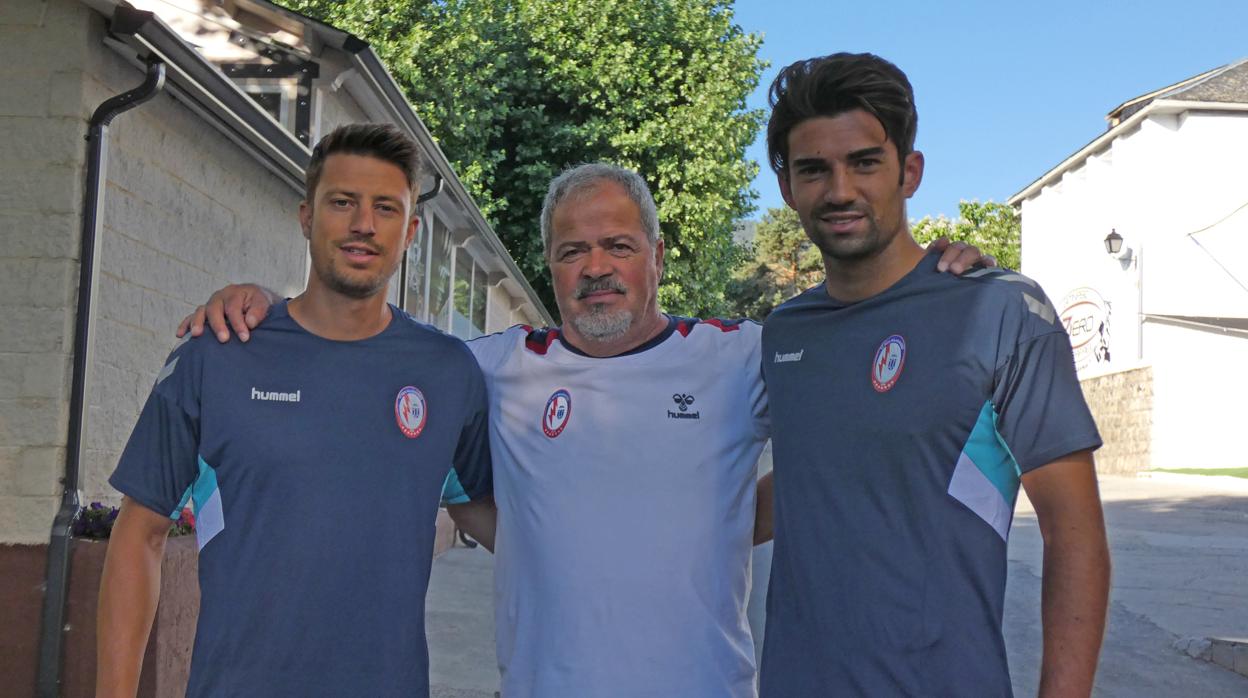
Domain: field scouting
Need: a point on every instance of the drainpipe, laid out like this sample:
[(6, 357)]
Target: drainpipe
[(52, 627)]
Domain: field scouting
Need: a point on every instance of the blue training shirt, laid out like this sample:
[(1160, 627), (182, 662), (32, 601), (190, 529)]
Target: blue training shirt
[(316, 468), (901, 426)]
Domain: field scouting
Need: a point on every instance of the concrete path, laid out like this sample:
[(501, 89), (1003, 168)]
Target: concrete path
[(1180, 570), (1180, 552), (459, 622)]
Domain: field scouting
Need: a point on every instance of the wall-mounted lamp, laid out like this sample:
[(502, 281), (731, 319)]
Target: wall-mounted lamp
[(1113, 242), (1115, 248)]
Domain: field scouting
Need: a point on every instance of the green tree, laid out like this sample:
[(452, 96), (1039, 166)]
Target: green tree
[(515, 91), (994, 228), (780, 263)]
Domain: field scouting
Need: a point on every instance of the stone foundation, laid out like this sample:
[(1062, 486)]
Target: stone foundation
[(1122, 404)]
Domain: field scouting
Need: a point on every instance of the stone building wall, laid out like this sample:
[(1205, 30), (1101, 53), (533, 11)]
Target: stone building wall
[(186, 211), (42, 123), (1122, 404)]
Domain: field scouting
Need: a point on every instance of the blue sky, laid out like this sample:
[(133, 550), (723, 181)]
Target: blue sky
[(1005, 90)]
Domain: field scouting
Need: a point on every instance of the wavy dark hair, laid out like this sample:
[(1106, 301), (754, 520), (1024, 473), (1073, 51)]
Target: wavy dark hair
[(835, 84), (382, 141)]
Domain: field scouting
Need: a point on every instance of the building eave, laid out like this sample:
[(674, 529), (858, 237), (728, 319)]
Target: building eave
[(1156, 107), (204, 89)]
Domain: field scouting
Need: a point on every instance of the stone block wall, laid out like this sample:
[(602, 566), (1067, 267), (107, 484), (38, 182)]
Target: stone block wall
[(42, 124), (185, 212), (1122, 404)]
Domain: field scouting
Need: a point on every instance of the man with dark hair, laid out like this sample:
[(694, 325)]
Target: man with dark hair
[(315, 456), (907, 407)]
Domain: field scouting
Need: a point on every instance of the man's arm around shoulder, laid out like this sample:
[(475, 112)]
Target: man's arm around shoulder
[(129, 590), (1075, 587)]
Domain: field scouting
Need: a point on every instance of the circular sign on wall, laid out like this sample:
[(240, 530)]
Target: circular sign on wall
[(1085, 315)]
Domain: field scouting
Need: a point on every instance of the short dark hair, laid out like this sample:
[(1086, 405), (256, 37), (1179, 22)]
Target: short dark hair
[(382, 141), (835, 84)]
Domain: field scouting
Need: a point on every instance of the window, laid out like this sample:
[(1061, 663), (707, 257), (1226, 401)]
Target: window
[(479, 297), (461, 325), (439, 275), (283, 89), (418, 274)]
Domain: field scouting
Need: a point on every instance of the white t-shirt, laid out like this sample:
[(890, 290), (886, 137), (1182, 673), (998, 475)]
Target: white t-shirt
[(625, 490)]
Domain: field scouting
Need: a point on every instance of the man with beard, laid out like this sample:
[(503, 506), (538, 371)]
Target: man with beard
[(312, 455), (907, 408), (625, 444)]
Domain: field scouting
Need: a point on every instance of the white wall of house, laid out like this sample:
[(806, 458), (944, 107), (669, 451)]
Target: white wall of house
[(1200, 393), (1173, 175)]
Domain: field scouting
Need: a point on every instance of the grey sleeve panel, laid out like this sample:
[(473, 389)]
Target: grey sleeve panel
[(161, 458), (1041, 412)]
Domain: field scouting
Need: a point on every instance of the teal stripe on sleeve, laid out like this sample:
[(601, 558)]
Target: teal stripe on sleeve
[(452, 491), (992, 456)]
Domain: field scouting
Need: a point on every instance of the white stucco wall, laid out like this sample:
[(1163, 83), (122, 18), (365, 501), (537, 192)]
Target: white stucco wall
[(1175, 174), (1200, 397)]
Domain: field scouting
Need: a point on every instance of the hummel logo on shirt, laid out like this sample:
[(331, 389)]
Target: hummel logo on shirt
[(792, 356), (683, 402), (269, 396)]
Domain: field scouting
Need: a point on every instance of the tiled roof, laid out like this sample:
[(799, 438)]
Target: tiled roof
[(1228, 83)]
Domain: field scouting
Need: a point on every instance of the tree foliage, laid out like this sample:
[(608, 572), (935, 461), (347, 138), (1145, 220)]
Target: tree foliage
[(782, 263), (515, 91), (994, 228)]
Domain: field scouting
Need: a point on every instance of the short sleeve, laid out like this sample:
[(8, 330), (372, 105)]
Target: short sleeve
[(1041, 412), (753, 371), (161, 459), (493, 350), (472, 476)]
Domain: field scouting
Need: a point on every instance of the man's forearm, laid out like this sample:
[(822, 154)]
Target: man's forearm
[(478, 519), (1073, 604), (129, 590), (1074, 601)]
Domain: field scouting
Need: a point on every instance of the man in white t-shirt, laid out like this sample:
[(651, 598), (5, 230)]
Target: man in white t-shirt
[(624, 445)]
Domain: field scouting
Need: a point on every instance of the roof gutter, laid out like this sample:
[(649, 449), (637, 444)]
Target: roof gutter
[(207, 92), (1158, 106), (213, 96), (52, 623)]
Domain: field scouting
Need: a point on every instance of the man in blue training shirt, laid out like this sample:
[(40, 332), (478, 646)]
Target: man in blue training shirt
[(315, 456), (907, 407)]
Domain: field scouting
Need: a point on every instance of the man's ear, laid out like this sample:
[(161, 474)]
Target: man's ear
[(412, 226), (305, 219), (912, 173), (786, 192), (658, 256)]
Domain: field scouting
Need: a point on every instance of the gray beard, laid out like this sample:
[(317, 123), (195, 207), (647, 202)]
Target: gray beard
[(600, 325)]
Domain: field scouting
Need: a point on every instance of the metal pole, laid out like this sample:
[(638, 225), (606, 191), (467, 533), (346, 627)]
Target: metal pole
[(52, 625)]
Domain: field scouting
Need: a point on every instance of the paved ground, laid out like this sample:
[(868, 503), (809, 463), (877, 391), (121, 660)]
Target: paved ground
[(1180, 555), (459, 622), (1180, 570)]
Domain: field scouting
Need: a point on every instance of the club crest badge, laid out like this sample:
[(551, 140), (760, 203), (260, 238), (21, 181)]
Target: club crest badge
[(889, 360), (410, 411), (558, 411)]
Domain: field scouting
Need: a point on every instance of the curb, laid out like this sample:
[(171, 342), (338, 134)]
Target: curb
[(1228, 653), (1225, 483)]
